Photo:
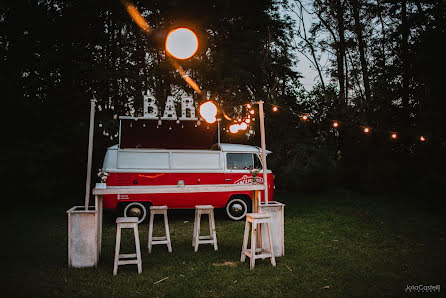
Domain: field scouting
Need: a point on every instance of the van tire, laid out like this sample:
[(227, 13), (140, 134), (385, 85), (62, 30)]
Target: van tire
[(237, 207), (136, 209)]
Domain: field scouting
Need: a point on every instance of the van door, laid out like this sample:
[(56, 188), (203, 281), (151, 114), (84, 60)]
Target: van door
[(237, 168)]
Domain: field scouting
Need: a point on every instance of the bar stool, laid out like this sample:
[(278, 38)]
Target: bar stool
[(127, 223), (261, 220), (208, 239), (159, 240)]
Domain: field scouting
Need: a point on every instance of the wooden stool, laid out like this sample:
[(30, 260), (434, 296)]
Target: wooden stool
[(127, 223), (159, 240), (212, 237), (257, 253)]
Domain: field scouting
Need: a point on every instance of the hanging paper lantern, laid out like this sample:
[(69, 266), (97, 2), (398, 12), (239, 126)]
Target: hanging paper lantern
[(234, 128), (208, 111), (181, 43)]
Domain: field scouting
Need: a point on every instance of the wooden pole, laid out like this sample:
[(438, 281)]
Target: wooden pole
[(90, 153), (263, 145)]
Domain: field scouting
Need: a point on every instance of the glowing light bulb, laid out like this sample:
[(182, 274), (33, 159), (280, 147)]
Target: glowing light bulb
[(305, 117), (422, 139), (248, 121), (243, 126), (248, 105), (251, 112), (394, 136), (234, 128), (275, 109), (366, 130), (208, 111), (181, 43), (335, 124)]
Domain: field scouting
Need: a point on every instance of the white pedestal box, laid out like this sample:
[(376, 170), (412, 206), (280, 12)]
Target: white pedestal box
[(276, 211), (82, 237)]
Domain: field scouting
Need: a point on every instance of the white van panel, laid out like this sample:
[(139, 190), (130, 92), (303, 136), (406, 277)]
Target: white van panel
[(143, 160), (202, 160)]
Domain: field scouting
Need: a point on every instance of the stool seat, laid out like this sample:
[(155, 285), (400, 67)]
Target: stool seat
[(158, 207), (125, 259), (258, 215), (207, 239), (127, 219), (258, 222), (202, 207), (162, 210)]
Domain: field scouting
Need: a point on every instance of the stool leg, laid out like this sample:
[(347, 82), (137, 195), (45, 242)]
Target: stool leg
[(166, 227), (212, 227), (138, 248), (245, 242), (195, 228), (271, 246), (253, 246), (197, 231), (149, 243), (117, 247)]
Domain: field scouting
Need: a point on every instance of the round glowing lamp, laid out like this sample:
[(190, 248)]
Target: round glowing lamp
[(394, 135), (305, 117), (234, 128), (335, 124), (208, 111), (422, 139), (248, 121), (181, 43), (251, 112), (366, 130), (275, 109), (243, 126)]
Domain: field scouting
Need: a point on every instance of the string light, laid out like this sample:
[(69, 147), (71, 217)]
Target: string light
[(251, 112), (394, 135), (366, 130), (243, 126), (275, 108), (305, 117), (248, 106), (248, 120), (422, 139), (335, 124)]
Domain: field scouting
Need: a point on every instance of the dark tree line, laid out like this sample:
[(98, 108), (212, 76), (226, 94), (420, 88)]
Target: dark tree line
[(386, 70)]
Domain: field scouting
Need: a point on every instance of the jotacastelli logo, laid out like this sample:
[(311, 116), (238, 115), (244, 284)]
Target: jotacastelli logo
[(248, 180)]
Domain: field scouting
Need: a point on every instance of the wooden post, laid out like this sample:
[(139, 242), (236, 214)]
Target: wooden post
[(90, 153), (263, 145)]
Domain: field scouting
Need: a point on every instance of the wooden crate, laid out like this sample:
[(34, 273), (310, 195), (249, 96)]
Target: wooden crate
[(276, 211)]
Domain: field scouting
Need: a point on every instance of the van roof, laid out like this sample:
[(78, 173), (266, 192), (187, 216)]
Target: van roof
[(225, 147)]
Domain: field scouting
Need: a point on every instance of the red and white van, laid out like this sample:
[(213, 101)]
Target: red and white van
[(222, 164)]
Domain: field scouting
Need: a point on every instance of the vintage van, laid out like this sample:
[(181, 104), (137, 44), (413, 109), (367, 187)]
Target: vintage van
[(222, 164)]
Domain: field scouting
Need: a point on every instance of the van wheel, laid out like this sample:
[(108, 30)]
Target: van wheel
[(136, 209), (236, 208)]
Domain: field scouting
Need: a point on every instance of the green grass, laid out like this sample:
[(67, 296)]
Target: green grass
[(335, 245)]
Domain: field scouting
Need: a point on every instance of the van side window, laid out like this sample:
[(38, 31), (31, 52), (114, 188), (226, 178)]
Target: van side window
[(239, 161)]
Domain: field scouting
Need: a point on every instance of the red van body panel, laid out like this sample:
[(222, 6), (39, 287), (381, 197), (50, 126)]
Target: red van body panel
[(181, 200)]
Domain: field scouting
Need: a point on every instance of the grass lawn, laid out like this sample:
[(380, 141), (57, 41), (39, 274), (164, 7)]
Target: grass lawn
[(336, 245)]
